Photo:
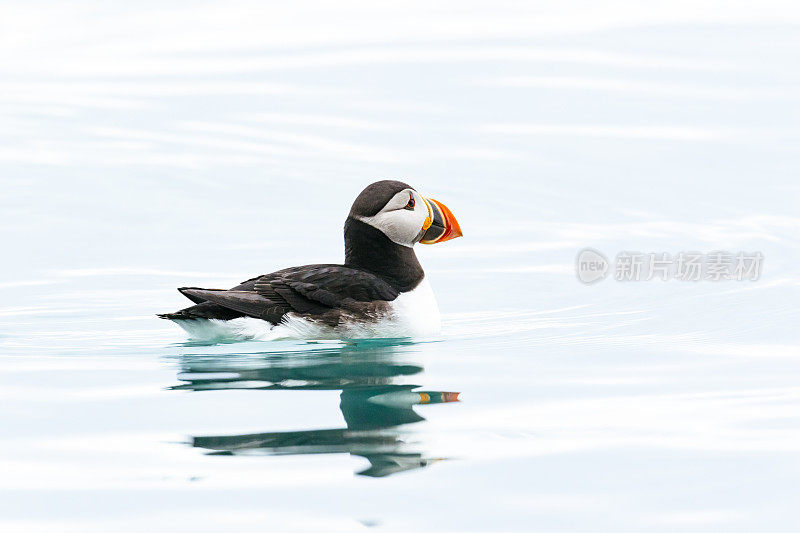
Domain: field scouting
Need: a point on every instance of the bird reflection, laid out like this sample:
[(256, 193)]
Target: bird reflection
[(374, 406)]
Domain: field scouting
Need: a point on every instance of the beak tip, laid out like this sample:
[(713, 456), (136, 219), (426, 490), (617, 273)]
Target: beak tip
[(450, 396)]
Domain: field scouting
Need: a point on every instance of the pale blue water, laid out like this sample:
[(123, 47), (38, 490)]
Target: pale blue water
[(147, 147)]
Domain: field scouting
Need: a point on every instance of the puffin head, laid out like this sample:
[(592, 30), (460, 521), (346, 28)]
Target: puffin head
[(404, 215)]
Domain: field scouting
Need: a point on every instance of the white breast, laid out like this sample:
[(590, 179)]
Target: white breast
[(417, 311)]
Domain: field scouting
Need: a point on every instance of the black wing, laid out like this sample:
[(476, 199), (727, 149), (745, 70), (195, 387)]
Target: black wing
[(322, 292), (206, 309)]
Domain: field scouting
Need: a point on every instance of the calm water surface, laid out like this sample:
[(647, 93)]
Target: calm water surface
[(148, 147)]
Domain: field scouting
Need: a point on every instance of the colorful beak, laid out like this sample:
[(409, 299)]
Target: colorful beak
[(437, 396), (441, 224)]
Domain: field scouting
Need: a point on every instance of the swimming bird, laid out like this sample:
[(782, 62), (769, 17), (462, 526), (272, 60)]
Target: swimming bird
[(379, 291)]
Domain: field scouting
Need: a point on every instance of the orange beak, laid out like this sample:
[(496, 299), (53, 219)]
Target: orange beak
[(440, 225), (437, 397), (450, 396)]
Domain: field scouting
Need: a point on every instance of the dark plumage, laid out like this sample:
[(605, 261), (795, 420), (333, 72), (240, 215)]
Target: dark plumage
[(375, 272)]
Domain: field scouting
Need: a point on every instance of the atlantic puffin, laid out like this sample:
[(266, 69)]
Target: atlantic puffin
[(379, 291)]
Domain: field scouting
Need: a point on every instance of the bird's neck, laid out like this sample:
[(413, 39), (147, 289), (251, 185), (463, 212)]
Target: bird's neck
[(367, 248)]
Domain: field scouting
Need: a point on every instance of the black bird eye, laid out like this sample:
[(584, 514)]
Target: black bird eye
[(410, 204)]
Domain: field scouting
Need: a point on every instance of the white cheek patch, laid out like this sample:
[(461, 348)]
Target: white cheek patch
[(402, 226), (394, 226)]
